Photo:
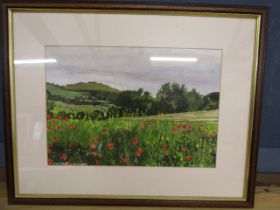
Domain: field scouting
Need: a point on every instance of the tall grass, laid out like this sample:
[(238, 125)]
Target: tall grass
[(131, 142)]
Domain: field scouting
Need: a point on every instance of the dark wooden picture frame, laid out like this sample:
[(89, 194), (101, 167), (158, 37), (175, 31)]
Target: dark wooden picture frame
[(262, 12)]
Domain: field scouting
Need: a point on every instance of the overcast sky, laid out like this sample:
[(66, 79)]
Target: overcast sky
[(130, 68)]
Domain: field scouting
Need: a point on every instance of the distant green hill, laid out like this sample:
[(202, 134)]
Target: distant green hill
[(60, 91), (91, 87)]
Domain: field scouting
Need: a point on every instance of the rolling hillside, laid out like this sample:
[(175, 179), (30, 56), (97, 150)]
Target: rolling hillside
[(91, 86), (60, 91)]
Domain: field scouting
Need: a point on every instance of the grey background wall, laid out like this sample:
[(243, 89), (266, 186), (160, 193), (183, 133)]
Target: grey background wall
[(269, 151)]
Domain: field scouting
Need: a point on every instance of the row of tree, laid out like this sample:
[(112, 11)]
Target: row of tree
[(170, 98)]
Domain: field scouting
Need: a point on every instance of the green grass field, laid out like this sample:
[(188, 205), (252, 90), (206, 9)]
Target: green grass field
[(60, 106), (151, 141), (211, 115)]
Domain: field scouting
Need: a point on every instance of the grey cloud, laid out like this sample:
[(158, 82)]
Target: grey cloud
[(131, 68)]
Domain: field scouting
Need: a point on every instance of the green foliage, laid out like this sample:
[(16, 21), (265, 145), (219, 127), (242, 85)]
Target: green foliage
[(92, 97), (138, 102), (195, 100), (172, 98), (131, 142), (211, 101)]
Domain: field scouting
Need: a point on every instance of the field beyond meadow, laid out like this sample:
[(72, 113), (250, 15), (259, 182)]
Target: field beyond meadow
[(160, 140)]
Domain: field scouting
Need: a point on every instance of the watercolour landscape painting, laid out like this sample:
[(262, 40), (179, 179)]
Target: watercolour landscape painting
[(132, 106)]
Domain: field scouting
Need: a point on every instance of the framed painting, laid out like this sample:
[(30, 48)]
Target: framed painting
[(132, 104)]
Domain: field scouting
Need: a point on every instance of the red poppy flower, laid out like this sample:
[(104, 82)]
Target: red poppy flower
[(66, 119), (54, 138), (49, 151), (63, 156), (184, 149), (93, 146), (139, 152), (125, 161), (50, 161), (60, 117), (58, 128), (134, 140), (178, 126), (105, 129), (188, 158), (93, 154), (70, 145), (110, 145), (174, 129), (49, 128), (49, 116), (71, 126), (53, 122), (98, 139)]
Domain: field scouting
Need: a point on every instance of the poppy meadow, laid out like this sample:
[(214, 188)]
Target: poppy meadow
[(131, 142)]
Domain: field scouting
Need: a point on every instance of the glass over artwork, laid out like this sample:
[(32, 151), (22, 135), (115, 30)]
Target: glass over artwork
[(132, 106)]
